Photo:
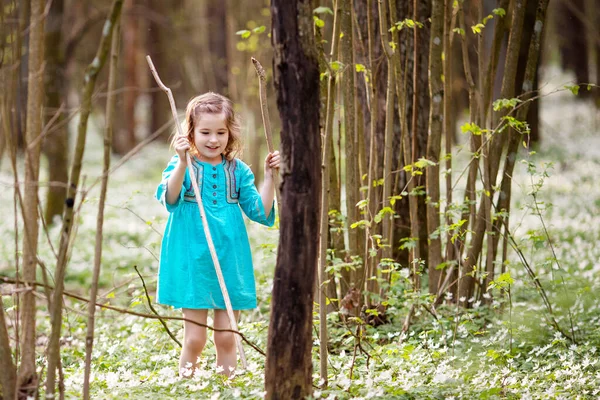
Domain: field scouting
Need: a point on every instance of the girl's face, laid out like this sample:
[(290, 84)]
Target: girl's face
[(211, 136)]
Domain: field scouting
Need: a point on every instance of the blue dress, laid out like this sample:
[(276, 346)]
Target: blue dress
[(187, 277)]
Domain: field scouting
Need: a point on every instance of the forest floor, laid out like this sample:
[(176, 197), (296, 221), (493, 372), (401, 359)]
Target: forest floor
[(504, 350)]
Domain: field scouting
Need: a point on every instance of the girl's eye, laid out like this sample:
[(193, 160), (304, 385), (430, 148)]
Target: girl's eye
[(222, 133)]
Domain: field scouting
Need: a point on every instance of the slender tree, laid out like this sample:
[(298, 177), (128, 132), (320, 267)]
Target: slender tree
[(28, 380), (436, 91), (288, 371), (327, 142), (108, 135), (352, 170)]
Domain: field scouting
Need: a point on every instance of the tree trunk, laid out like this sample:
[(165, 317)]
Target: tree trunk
[(288, 371), (326, 144), (56, 142), (388, 157), (125, 139), (572, 40), (27, 373), (160, 114), (217, 35), (494, 152), (352, 175), (407, 227), (436, 91), (8, 378), (108, 135)]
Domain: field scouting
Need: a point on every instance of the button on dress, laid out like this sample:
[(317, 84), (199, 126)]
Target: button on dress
[(187, 277)]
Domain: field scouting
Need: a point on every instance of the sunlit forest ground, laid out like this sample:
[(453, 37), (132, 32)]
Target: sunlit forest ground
[(505, 350)]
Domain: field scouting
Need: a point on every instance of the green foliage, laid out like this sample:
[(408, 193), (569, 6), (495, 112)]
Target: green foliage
[(406, 23)]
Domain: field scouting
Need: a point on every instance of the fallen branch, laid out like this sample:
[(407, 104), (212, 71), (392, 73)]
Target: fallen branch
[(6, 279)]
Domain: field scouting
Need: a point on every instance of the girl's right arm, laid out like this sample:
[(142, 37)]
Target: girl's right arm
[(181, 145)]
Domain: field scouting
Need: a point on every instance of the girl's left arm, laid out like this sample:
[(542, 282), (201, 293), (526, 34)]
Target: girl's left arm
[(267, 191)]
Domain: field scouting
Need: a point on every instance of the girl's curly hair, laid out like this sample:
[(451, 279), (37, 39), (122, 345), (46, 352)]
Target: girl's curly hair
[(214, 103)]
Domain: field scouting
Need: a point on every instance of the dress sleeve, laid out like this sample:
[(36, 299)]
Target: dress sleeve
[(161, 190), (250, 199)]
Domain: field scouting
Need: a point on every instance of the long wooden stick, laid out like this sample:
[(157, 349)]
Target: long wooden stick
[(211, 246), (266, 121)]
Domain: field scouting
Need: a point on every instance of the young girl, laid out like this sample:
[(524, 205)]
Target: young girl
[(187, 277)]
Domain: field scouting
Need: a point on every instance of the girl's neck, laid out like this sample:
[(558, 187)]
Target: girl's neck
[(211, 162)]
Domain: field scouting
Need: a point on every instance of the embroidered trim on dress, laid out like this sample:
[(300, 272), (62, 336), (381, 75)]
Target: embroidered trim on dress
[(233, 195)]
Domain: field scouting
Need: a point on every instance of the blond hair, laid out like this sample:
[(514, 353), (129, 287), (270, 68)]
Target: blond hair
[(213, 103)]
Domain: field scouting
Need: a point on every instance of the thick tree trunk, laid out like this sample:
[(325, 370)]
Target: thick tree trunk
[(572, 39), (125, 139), (288, 372), (56, 143), (27, 372), (157, 49), (217, 34), (404, 226)]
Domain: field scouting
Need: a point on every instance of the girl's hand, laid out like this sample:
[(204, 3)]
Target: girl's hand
[(272, 162), (181, 145)]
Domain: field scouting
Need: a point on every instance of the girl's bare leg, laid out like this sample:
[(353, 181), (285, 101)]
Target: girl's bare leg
[(194, 339), (225, 342)]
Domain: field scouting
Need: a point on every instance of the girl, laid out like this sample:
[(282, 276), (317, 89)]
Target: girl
[(187, 277)]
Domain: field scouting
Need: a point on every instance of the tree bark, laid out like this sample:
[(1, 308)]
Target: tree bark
[(352, 171), (496, 145), (388, 157), (327, 151), (436, 91), (8, 378), (55, 145), (27, 373), (288, 372), (125, 139)]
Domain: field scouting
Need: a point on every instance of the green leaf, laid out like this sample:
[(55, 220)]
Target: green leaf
[(573, 88), (244, 33), (477, 28), (318, 22), (360, 67), (259, 29), (471, 127), (361, 224), (460, 31), (362, 204), (335, 65), (424, 163), (506, 103), (323, 10), (385, 210), (501, 12)]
